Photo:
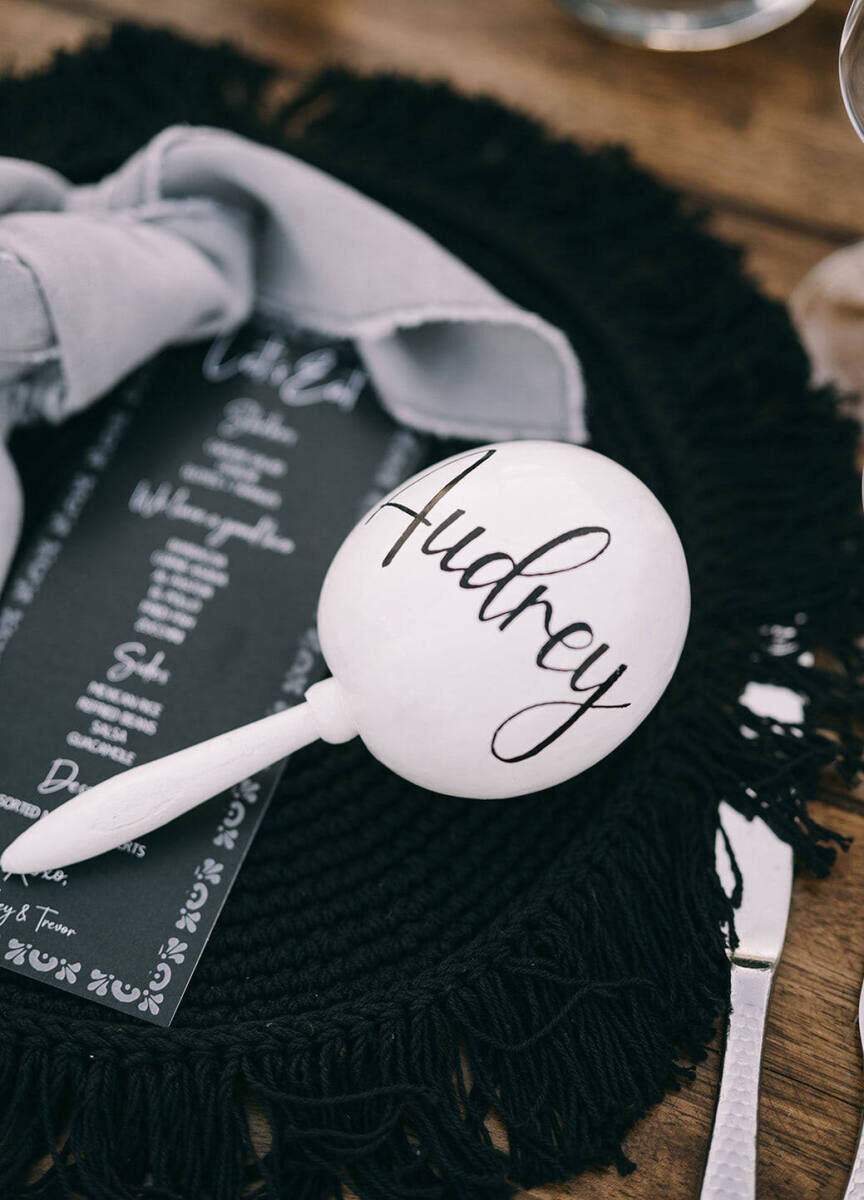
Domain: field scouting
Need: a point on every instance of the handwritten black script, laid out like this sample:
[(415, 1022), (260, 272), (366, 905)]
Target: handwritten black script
[(568, 648)]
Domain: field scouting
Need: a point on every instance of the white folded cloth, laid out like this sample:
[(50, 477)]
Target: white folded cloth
[(828, 309), (201, 229)]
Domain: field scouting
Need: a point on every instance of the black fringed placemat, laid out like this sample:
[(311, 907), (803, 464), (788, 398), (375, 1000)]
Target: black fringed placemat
[(393, 967)]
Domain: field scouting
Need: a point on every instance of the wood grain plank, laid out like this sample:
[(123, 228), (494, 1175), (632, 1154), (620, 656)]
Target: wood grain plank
[(30, 33), (776, 257), (761, 123)]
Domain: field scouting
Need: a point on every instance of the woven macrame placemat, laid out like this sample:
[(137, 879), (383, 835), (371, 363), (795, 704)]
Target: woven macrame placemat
[(394, 967)]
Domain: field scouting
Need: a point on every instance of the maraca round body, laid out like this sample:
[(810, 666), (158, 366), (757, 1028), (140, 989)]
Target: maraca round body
[(506, 618)]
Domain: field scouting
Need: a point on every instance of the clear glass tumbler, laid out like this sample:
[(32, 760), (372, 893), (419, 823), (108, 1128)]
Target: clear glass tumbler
[(686, 24)]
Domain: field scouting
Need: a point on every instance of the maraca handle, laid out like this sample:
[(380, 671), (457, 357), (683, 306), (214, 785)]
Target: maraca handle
[(138, 801)]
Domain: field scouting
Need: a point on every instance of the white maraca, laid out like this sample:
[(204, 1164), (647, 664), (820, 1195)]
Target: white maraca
[(495, 626)]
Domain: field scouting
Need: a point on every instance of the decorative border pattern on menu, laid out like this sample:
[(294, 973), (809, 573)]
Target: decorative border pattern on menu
[(149, 997)]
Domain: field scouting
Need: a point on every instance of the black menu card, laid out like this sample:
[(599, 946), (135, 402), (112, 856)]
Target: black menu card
[(171, 596)]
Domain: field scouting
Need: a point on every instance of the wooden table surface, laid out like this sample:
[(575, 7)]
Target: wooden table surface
[(759, 133)]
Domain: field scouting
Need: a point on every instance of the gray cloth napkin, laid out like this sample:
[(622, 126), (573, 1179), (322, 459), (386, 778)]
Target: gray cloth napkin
[(201, 229), (827, 307)]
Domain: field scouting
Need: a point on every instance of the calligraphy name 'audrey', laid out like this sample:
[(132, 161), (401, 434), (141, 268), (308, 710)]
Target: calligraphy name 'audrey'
[(568, 648)]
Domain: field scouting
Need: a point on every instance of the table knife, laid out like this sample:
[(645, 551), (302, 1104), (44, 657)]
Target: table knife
[(855, 1186), (765, 863)]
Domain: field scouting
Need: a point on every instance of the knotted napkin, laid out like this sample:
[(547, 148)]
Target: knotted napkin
[(201, 229)]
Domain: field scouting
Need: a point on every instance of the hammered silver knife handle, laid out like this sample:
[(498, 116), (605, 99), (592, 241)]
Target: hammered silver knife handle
[(855, 1186), (730, 1172)]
